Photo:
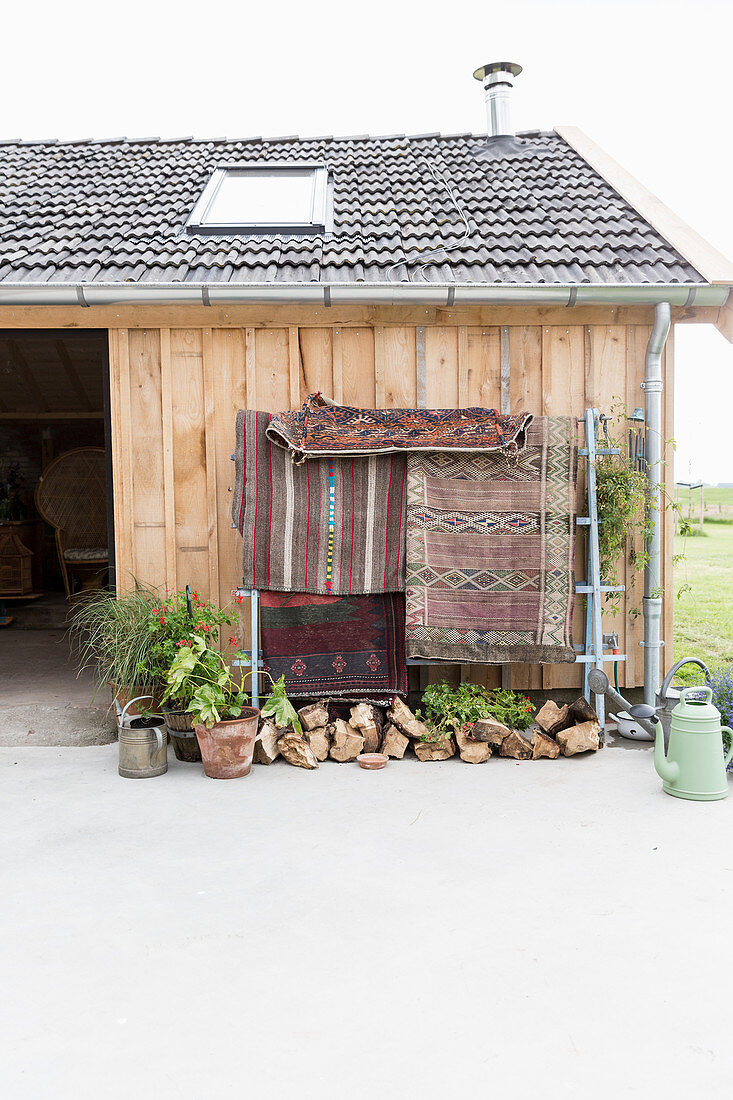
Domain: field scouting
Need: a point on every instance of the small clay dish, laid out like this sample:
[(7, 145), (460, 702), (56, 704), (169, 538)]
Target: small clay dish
[(372, 761)]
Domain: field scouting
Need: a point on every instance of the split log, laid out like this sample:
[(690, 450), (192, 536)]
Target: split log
[(266, 750), (583, 738), (516, 746), (346, 742), (542, 745), (366, 719), (297, 751), (402, 717), (472, 752), (394, 742), (435, 750), (320, 741), (582, 711), (553, 718), (490, 731), (314, 716)]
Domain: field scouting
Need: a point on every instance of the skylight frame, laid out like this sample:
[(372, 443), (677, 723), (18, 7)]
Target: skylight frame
[(319, 206)]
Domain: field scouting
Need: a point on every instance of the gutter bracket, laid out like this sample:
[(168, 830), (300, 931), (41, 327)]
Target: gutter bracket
[(571, 297), (205, 296), (80, 297), (327, 296)]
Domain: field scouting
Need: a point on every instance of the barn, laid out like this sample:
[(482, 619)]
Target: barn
[(151, 288)]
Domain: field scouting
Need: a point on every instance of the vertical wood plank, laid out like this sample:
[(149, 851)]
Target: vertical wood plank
[(316, 362), (212, 494), (484, 367), (250, 354), (272, 353), (149, 530), (118, 473), (169, 484), (337, 358), (506, 373), (189, 460), (295, 366), (525, 350), (358, 368), (230, 394), (463, 401), (441, 367), (421, 368), (125, 539), (395, 367)]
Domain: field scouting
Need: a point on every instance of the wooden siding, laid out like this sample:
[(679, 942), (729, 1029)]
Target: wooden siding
[(175, 392)]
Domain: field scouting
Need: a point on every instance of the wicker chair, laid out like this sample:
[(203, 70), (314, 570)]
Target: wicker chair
[(72, 496)]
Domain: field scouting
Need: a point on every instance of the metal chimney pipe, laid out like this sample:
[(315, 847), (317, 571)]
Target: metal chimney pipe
[(498, 80), (653, 385)]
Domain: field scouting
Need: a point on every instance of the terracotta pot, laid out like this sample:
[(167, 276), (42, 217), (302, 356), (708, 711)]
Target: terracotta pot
[(372, 761), (227, 748)]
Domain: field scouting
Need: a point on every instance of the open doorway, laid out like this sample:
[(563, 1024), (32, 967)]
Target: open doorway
[(56, 520)]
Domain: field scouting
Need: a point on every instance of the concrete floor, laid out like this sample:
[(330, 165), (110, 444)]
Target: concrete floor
[(548, 929), (42, 699)]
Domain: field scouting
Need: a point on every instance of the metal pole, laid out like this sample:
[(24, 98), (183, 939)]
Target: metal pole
[(653, 385), (254, 606)]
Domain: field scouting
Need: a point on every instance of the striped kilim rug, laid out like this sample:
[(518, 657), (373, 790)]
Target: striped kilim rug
[(334, 526), (351, 646), (490, 551)]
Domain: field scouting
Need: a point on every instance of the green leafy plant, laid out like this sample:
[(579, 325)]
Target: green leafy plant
[(202, 682), (171, 623), (279, 707), (448, 708), (110, 634)]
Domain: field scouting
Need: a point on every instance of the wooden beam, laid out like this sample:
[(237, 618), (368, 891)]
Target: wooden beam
[(72, 318), (169, 491), (212, 495), (712, 265), (52, 415), (72, 374), (29, 377)]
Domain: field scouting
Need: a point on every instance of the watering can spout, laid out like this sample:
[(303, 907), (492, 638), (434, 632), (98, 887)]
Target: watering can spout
[(667, 770)]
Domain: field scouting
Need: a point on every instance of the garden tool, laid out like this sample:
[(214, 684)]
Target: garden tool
[(694, 765)]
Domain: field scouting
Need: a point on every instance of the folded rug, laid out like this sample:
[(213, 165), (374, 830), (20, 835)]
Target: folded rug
[(490, 551), (335, 645), (329, 525), (322, 427)]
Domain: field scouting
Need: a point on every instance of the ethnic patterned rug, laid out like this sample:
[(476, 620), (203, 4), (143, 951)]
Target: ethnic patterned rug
[(490, 551), (334, 526), (322, 427), (335, 645)]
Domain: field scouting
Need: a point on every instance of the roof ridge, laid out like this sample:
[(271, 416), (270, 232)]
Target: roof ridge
[(193, 140)]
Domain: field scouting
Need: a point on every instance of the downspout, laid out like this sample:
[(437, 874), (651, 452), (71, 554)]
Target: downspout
[(653, 385)]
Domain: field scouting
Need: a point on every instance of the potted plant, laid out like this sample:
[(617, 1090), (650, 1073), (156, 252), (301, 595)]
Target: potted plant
[(112, 636), (225, 725), (174, 620)]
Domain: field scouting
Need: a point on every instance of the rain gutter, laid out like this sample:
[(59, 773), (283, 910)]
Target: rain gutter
[(441, 295)]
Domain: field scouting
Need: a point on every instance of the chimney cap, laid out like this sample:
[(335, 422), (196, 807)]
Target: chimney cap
[(495, 67)]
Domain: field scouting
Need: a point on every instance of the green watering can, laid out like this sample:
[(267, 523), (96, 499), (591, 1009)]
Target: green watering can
[(694, 766)]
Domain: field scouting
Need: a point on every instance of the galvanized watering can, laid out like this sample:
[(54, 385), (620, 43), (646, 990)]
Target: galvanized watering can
[(143, 750), (694, 765)]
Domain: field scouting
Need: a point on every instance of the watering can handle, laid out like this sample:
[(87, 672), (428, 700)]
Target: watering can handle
[(678, 665), (128, 705), (729, 754), (706, 691)]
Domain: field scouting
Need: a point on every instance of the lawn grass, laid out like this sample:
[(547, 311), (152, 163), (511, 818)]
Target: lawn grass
[(703, 616)]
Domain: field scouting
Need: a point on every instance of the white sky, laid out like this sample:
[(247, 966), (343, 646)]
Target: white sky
[(650, 80)]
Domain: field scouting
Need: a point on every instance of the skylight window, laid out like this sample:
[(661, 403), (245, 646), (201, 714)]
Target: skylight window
[(263, 198)]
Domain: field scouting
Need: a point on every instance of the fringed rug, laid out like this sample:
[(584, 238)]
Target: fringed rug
[(490, 550), (335, 645), (329, 525), (322, 427)]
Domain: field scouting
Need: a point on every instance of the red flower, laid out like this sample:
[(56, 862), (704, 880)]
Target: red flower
[(239, 598), (233, 641), (161, 620), (155, 611)]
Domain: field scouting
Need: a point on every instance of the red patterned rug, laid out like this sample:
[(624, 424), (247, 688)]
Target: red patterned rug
[(322, 427), (335, 645)]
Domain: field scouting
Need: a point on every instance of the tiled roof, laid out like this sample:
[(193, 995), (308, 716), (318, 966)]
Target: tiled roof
[(115, 210)]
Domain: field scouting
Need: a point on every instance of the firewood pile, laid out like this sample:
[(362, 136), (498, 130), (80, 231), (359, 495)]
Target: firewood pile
[(395, 731)]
